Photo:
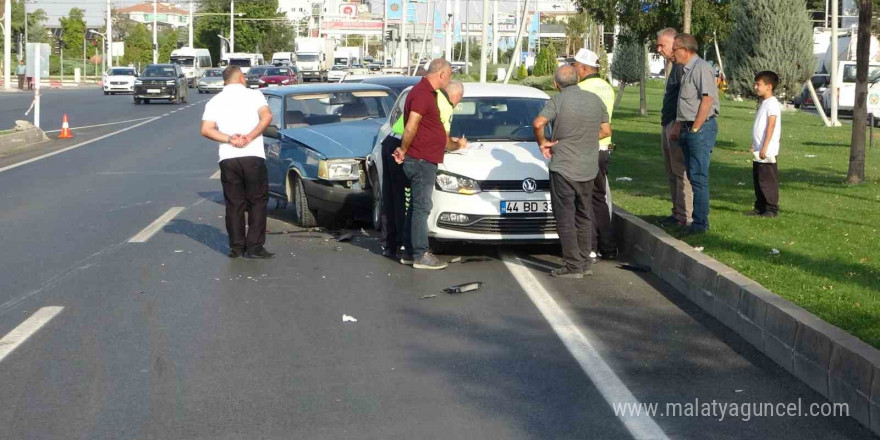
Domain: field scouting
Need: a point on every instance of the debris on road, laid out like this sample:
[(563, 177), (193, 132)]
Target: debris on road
[(634, 267), (428, 297), (365, 233), (455, 260), (345, 237), (624, 179), (178, 251), (462, 288), (348, 318)]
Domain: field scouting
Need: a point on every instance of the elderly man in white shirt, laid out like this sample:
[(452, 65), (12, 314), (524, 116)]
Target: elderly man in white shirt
[(236, 118)]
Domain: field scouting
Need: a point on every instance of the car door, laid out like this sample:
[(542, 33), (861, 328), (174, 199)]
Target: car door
[(274, 162)]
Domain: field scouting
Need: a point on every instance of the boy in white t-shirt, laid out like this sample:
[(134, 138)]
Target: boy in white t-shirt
[(766, 133)]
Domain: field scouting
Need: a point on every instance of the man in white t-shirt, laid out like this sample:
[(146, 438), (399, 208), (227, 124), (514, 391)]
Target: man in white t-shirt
[(236, 118), (765, 146)]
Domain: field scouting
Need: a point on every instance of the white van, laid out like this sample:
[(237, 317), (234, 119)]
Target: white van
[(283, 58), (193, 62), (846, 76), (243, 60)]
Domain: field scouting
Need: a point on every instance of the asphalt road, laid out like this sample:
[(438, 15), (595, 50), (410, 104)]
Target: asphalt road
[(169, 339)]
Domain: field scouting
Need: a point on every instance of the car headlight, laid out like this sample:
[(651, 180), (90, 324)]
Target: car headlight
[(339, 169), (286, 81), (202, 82), (138, 82), (454, 183), (171, 82), (261, 81)]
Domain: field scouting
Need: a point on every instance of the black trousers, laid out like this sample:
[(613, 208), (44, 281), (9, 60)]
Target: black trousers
[(571, 208), (245, 188), (603, 231), (394, 183), (765, 177)]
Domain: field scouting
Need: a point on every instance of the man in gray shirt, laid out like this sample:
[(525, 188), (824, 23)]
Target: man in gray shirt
[(673, 158), (695, 123), (579, 119)]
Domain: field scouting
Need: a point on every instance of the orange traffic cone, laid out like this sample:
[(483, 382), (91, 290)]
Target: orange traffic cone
[(65, 129)]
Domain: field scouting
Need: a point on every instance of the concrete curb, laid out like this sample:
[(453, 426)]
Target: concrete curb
[(22, 138), (836, 364)]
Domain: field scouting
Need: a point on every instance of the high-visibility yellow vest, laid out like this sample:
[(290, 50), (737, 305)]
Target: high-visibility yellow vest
[(606, 93), (446, 110)]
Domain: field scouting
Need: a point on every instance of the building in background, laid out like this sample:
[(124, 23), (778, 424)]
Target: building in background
[(167, 14)]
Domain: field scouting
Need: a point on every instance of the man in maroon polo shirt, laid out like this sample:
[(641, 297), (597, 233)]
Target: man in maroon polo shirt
[(422, 148)]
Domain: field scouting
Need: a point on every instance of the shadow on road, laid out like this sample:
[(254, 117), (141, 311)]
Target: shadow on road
[(205, 234)]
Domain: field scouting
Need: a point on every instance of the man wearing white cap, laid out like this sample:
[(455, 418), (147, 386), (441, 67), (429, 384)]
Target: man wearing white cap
[(586, 62)]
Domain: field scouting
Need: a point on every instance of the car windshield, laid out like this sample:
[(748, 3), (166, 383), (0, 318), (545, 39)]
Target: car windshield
[(183, 61), (849, 73), (337, 68), (159, 72), (123, 72), (256, 71), (277, 72), (213, 73), (327, 108), (496, 118), (240, 62), (307, 58)]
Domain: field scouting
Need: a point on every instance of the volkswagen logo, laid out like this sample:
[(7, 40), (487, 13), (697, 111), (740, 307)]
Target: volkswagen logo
[(529, 185)]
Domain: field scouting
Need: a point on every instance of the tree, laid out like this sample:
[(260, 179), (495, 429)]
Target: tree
[(167, 39), (138, 42), (575, 28), (73, 28), (856, 171), (265, 36), (545, 64), (770, 35), (628, 66)]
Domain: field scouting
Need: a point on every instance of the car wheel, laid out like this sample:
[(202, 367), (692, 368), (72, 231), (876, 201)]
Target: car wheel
[(376, 216), (137, 101), (146, 101), (297, 192), (106, 93)]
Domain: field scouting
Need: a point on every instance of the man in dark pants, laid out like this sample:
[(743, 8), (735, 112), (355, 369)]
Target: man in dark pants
[(236, 118), (696, 125), (424, 143), (393, 215), (579, 119)]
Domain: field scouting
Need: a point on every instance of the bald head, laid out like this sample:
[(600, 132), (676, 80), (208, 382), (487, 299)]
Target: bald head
[(232, 75), (439, 73), (455, 90), (565, 76)]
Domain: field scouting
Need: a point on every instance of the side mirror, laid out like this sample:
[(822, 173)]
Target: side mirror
[(271, 132)]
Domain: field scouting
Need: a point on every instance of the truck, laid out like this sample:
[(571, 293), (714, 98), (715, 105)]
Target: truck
[(192, 61), (243, 60), (312, 57), (283, 59), (346, 56)]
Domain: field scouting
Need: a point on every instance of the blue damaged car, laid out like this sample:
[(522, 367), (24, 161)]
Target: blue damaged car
[(317, 143)]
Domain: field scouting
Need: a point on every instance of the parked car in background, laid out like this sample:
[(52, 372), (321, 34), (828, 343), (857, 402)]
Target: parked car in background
[(820, 83), (254, 74), (374, 67), (498, 188), (358, 69), (337, 72), (211, 81), (161, 81), (278, 76), (119, 80), (317, 144)]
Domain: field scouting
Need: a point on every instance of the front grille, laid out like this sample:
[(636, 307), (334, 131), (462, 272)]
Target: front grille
[(118, 83), (511, 185), (153, 83), (514, 224)]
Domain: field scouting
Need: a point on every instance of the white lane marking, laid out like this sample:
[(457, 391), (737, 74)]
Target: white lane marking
[(101, 125), (216, 176), (27, 329), (166, 114), (578, 344), (535, 263), (72, 147), (157, 224)]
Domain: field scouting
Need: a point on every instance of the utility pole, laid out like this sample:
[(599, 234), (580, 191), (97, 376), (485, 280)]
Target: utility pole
[(495, 32), (467, 38), (403, 47), (835, 85), (447, 40), (7, 45), (155, 35), (190, 23), (484, 41), (232, 26), (109, 36), (517, 48)]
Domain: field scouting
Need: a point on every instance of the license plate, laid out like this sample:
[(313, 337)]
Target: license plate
[(154, 91), (526, 206), (254, 87), (273, 85)]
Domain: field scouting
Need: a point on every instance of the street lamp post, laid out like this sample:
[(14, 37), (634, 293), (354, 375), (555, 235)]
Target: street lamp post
[(103, 41), (231, 26), (221, 46), (191, 23), (155, 35), (109, 37), (7, 44)]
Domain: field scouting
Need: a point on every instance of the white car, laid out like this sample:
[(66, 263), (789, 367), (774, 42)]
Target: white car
[(119, 80), (846, 95), (498, 188), (336, 73)]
